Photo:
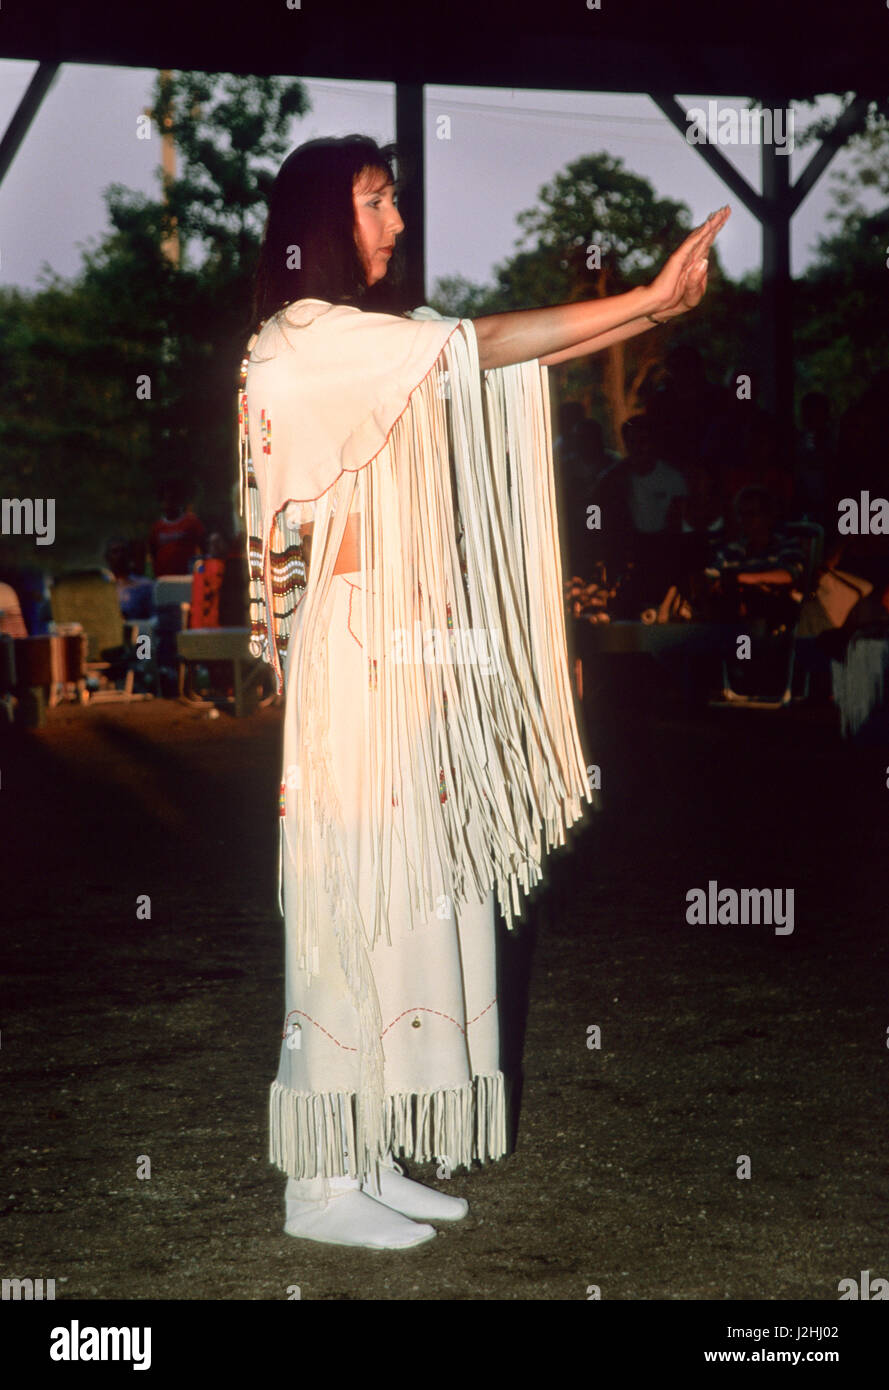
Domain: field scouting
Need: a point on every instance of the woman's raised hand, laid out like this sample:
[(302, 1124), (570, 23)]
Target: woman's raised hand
[(683, 280)]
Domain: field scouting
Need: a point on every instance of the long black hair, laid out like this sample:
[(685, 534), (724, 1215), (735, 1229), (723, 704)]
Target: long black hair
[(308, 249)]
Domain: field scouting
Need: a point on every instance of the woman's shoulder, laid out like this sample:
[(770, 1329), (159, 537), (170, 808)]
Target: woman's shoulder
[(303, 312), (272, 335)]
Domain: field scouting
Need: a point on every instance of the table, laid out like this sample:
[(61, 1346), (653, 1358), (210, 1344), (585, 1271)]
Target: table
[(221, 644)]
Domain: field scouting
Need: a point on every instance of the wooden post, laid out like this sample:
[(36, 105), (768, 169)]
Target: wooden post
[(777, 290), (409, 135), (775, 208)]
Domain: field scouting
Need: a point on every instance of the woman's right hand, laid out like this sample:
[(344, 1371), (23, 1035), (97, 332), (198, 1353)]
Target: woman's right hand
[(681, 283)]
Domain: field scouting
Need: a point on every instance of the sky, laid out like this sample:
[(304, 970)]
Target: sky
[(504, 144)]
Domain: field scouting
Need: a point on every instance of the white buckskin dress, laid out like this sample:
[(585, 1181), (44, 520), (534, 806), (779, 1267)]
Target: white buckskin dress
[(429, 733)]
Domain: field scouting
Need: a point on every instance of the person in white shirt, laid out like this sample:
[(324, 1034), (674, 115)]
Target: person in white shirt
[(654, 488)]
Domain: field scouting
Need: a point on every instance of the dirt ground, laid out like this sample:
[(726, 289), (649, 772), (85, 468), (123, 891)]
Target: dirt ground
[(124, 1037)]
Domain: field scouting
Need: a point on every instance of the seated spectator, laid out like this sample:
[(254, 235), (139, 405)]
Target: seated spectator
[(178, 537), (654, 488), (757, 572), (134, 591), (644, 491), (854, 563), (640, 499), (703, 527), (31, 587), (11, 621), (703, 507)]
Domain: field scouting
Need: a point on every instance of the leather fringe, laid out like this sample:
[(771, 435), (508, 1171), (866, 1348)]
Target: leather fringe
[(315, 1134), (467, 814), (858, 682)]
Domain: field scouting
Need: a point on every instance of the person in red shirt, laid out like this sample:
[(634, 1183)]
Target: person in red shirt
[(178, 537)]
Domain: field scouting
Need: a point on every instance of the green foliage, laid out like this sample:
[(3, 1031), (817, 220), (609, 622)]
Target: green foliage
[(842, 338), (231, 135), (72, 428), (841, 332), (596, 202), (73, 354), (456, 297)]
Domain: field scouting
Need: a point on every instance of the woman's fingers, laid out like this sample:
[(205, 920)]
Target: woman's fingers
[(674, 278), (699, 241), (714, 223), (711, 229), (696, 285), (702, 245), (712, 233)]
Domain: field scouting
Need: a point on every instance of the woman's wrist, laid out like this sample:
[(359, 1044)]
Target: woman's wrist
[(644, 303), (650, 305)]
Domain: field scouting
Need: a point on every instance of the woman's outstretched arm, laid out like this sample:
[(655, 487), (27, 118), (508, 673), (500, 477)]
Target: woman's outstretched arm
[(600, 341), (523, 334)]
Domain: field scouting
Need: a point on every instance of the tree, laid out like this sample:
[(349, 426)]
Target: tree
[(842, 336), (225, 127), (597, 230), (231, 133), (75, 423)]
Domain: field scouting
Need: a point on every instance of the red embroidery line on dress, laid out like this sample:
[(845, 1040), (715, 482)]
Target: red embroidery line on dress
[(352, 588), (309, 1019), (419, 1010)]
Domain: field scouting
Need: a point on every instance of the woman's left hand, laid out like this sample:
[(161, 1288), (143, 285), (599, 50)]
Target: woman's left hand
[(692, 293), (682, 282)]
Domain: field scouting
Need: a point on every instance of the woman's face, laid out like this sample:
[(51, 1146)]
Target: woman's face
[(377, 222)]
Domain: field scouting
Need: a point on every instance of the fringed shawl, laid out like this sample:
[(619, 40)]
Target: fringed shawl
[(858, 681), (342, 410)]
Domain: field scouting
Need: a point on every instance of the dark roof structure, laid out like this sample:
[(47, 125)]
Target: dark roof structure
[(772, 51), (791, 48)]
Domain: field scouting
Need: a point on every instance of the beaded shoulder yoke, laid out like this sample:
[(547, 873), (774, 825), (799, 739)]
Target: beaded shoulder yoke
[(276, 566)]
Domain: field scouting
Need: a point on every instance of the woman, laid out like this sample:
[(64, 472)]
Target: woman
[(429, 726)]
